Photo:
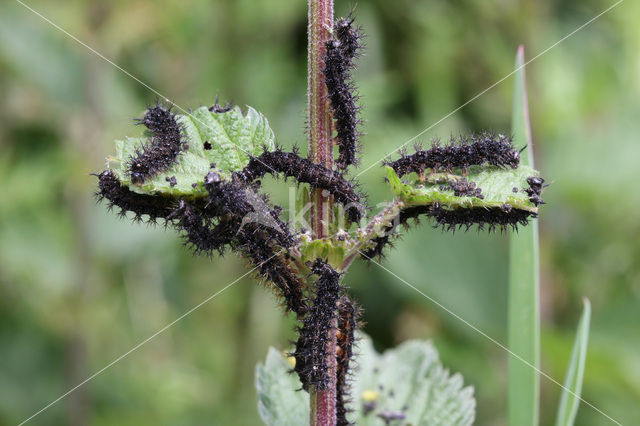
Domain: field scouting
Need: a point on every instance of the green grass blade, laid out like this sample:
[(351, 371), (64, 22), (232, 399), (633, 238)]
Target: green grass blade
[(570, 399), (524, 302)]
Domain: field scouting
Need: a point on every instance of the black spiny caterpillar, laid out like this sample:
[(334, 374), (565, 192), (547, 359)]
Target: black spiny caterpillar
[(257, 239), (155, 207), (254, 242), (304, 170), (217, 223), (348, 318), (493, 218), (201, 232), (503, 217), (311, 347), (340, 53), (163, 150), (234, 199), (234, 214), (485, 148)]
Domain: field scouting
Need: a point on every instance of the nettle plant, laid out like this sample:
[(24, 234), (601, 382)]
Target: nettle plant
[(200, 173)]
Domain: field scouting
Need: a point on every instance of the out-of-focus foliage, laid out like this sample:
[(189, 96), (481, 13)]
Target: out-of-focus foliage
[(78, 287)]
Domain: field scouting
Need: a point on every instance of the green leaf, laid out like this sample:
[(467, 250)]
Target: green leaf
[(570, 399), (524, 288), (408, 379), (280, 402), (233, 137), (497, 187), (333, 251)]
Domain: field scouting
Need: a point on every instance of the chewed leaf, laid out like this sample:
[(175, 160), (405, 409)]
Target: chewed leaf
[(227, 139), (497, 187), (408, 383)]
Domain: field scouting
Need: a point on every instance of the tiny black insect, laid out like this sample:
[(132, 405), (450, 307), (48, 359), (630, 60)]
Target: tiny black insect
[(218, 109), (207, 145), (368, 407), (535, 189), (172, 181), (388, 416), (535, 181), (463, 188), (536, 199)]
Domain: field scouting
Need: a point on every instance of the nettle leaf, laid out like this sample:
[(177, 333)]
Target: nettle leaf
[(332, 251), (231, 135), (408, 381), (497, 186), (280, 398)]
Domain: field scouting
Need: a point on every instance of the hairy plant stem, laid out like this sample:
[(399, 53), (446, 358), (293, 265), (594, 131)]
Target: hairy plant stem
[(323, 401), (320, 118)]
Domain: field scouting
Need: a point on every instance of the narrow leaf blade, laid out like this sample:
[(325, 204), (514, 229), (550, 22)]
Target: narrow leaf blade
[(570, 399), (524, 302)]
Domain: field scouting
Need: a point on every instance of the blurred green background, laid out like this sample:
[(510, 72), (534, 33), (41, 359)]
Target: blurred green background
[(79, 287)]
